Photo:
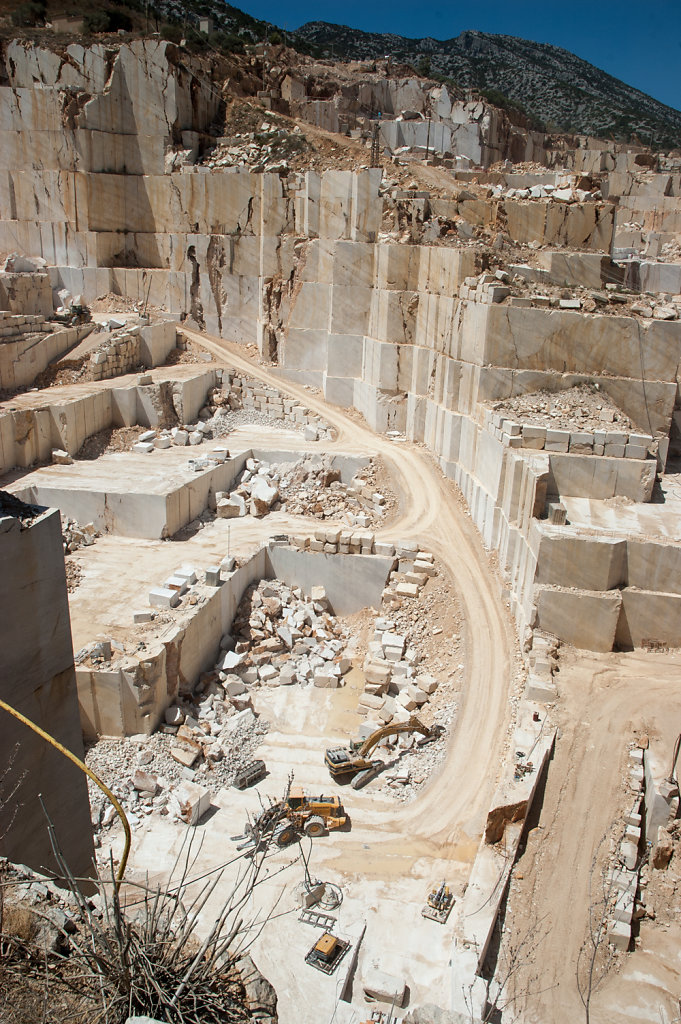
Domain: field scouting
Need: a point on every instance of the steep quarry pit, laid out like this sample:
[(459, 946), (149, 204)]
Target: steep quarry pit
[(445, 392)]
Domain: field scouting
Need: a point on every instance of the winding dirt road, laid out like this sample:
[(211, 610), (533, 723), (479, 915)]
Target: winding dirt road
[(453, 806)]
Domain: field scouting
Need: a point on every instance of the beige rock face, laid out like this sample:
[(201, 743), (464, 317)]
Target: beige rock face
[(294, 264)]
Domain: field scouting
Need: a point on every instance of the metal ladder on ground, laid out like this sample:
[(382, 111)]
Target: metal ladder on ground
[(317, 919)]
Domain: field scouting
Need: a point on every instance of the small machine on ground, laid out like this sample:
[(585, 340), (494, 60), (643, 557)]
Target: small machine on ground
[(252, 773), (297, 813), (439, 902), (344, 762), (327, 953)]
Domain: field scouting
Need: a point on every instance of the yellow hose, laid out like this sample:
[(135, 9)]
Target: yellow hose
[(88, 771)]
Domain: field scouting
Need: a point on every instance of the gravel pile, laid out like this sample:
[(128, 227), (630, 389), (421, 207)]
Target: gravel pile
[(224, 421)]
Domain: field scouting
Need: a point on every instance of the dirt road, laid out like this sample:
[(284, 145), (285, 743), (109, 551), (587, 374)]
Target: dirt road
[(454, 805), (603, 700)]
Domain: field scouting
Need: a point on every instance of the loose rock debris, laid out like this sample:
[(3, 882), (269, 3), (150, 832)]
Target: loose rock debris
[(281, 637), (210, 746), (584, 407), (310, 486)]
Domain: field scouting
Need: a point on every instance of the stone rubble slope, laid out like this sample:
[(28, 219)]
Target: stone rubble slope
[(310, 486), (209, 743), (280, 637)]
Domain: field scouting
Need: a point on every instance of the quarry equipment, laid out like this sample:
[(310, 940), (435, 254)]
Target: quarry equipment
[(344, 762), (439, 902), (296, 814), (327, 953), (252, 773)]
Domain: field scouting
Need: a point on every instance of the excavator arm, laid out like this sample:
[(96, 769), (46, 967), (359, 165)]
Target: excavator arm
[(413, 725)]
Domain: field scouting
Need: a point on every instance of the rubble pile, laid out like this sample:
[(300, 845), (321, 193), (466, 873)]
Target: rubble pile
[(408, 674), (75, 536), (566, 190), (311, 486), (281, 637), (414, 760), (415, 567), (256, 492), (527, 286), (257, 403), (37, 910), (622, 881), (267, 150), (204, 744), (583, 407), (395, 688)]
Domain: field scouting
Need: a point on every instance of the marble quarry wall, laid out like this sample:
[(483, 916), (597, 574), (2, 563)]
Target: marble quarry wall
[(37, 679), (298, 265)]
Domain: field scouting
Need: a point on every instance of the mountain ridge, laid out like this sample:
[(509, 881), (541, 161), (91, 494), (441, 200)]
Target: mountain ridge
[(554, 85)]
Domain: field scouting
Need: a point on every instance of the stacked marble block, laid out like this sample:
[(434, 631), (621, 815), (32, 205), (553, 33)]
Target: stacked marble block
[(119, 354), (175, 587), (616, 444), (15, 326), (247, 393), (488, 288), (394, 688), (624, 876), (335, 541)]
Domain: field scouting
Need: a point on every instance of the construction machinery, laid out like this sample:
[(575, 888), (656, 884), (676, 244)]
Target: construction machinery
[(439, 902), (252, 773), (355, 760), (297, 814), (327, 953)]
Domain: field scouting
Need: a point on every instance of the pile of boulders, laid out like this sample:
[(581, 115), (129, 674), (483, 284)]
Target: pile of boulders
[(181, 436), (414, 760), (267, 150), (75, 536), (256, 492), (583, 407), (204, 743), (311, 486), (564, 191), (415, 567), (281, 637), (622, 881), (395, 687)]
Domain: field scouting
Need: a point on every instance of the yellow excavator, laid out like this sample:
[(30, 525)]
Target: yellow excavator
[(344, 762)]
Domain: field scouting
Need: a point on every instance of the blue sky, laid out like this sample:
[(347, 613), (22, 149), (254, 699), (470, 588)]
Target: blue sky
[(639, 43)]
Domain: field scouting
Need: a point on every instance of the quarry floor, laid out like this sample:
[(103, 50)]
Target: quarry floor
[(391, 854)]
